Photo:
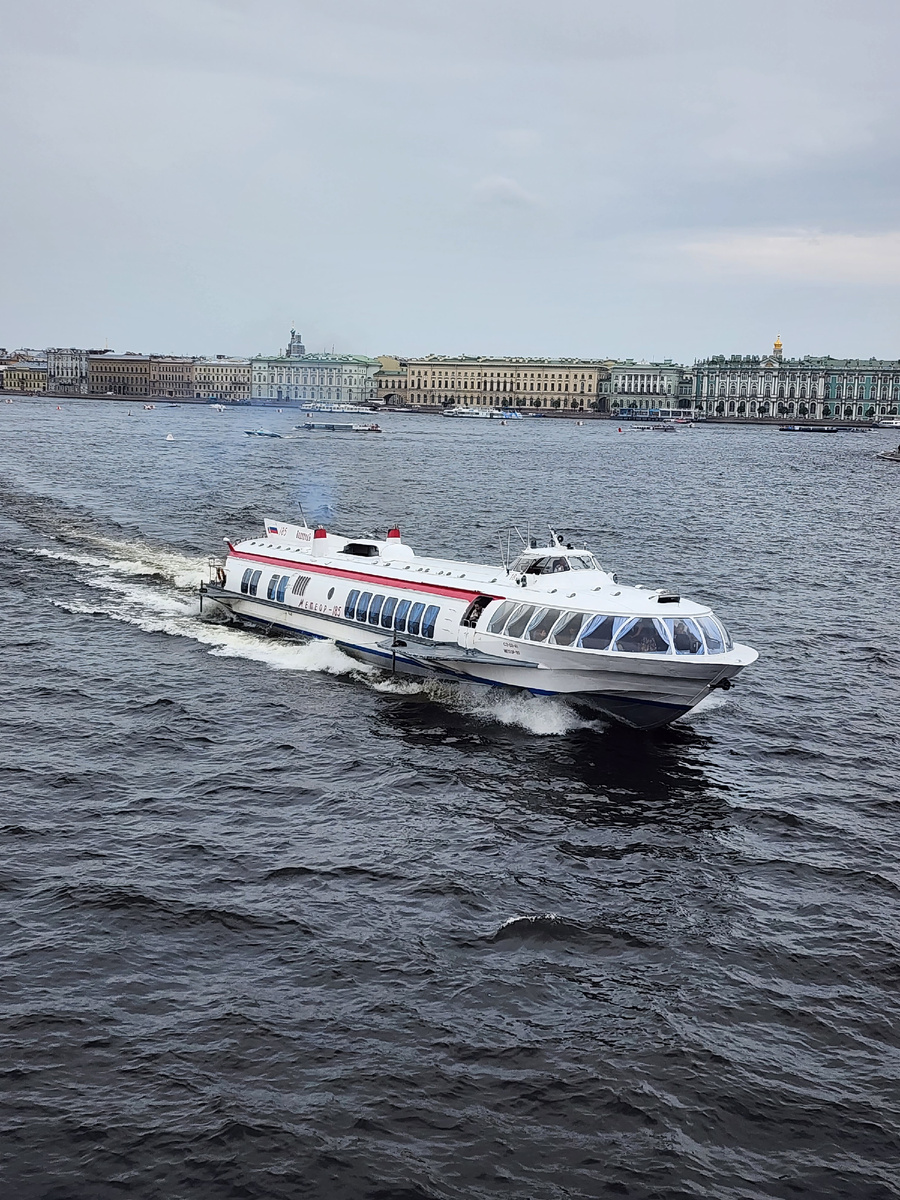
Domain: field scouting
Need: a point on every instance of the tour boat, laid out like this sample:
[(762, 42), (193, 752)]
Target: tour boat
[(551, 622), (261, 433), (339, 427), (486, 414)]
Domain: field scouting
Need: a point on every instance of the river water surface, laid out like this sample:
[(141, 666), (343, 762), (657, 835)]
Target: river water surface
[(276, 926)]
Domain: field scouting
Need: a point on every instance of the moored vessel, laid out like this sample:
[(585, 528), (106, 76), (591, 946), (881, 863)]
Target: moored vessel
[(551, 622)]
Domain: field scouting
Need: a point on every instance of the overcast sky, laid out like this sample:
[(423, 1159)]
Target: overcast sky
[(656, 178)]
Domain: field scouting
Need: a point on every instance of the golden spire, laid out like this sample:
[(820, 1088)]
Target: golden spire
[(778, 345)]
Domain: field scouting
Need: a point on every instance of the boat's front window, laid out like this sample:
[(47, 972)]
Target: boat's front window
[(539, 629), (567, 630), (715, 637), (582, 562), (643, 635), (685, 635), (597, 633), (500, 617), (520, 619)]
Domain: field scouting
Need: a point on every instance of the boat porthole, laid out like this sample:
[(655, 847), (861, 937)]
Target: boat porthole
[(330, 593)]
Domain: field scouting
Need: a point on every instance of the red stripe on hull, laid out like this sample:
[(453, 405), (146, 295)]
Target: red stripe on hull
[(411, 585)]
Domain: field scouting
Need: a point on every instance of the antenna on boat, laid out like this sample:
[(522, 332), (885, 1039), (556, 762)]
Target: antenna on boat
[(303, 515)]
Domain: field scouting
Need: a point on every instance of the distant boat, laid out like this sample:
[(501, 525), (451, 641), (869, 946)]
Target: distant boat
[(170, 437), (261, 433), (891, 455), (217, 407), (339, 427), (809, 429), (485, 414)]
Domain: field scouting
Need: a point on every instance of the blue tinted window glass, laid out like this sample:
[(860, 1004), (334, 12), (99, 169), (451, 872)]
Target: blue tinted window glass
[(350, 603), (362, 607), (245, 579), (273, 584), (415, 617), (282, 588), (714, 642), (429, 619), (400, 619), (387, 613), (254, 582), (375, 610)]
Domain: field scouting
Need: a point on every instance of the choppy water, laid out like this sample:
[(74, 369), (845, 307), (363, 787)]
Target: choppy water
[(277, 926)]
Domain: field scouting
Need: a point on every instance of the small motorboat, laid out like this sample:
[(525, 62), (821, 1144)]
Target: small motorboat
[(261, 433), (890, 455)]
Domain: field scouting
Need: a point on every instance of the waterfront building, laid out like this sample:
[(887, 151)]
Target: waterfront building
[(567, 384), (67, 371), (118, 374), (171, 376), (222, 379), (25, 377), (640, 385), (324, 378), (774, 386), (391, 380)]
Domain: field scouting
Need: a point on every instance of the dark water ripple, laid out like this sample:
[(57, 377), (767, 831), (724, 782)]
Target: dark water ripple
[(276, 927)]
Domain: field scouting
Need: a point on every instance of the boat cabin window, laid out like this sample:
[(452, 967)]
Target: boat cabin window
[(282, 588), (362, 606), (597, 633), (273, 584), (415, 618), (643, 635), (473, 613), (539, 629), (582, 562), (254, 583), (567, 630), (387, 613), (501, 616), (361, 549), (400, 618), (245, 580), (519, 621), (685, 635), (349, 603), (375, 609), (429, 620), (546, 565), (715, 642)]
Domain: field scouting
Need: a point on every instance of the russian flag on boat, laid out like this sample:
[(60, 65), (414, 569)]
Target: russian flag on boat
[(271, 529)]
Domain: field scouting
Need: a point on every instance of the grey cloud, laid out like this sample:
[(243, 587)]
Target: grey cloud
[(196, 174)]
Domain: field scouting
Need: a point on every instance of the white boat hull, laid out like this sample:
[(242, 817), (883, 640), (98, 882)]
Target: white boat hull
[(639, 691)]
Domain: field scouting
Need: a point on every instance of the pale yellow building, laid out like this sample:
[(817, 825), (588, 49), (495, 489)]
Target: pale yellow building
[(391, 380), (222, 379), (545, 384), (25, 378)]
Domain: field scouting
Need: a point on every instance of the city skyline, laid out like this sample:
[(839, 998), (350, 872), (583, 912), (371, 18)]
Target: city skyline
[(672, 180)]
